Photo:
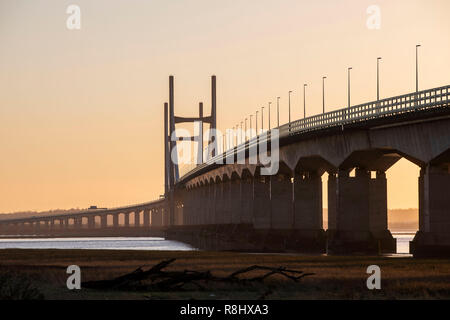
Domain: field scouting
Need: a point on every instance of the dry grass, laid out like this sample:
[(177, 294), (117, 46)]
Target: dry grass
[(336, 277)]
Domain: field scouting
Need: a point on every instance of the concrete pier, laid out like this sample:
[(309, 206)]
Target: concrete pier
[(433, 237), (281, 202), (358, 222), (235, 203), (262, 206)]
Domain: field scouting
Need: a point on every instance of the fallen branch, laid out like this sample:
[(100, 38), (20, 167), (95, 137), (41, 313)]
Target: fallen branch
[(157, 279), (280, 270)]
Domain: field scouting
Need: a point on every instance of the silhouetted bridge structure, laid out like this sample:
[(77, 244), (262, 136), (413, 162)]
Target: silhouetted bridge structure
[(131, 220), (234, 207)]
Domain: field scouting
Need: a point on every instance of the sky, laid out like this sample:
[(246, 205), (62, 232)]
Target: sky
[(81, 111)]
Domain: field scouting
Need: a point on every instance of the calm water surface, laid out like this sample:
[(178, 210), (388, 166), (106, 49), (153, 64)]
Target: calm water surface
[(129, 243), (113, 243)]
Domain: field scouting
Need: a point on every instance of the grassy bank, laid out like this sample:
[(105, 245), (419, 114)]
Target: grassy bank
[(336, 277)]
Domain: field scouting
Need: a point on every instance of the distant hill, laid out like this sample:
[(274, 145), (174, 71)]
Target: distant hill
[(403, 219), (399, 220)]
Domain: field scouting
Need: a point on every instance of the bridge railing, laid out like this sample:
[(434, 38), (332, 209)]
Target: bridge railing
[(376, 109), (422, 100)]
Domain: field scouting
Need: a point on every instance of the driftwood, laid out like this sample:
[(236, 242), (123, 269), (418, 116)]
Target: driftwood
[(157, 279)]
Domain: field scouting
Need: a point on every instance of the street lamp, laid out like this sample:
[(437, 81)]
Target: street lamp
[(349, 69), (269, 114), (417, 67), (245, 131), (237, 135), (289, 106), (378, 78), (251, 136), (256, 123), (262, 119), (232, 138), (323, 93), (304, 100), (278, 111), (240, 133)]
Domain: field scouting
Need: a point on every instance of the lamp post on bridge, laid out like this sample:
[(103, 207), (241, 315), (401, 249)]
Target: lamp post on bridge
[(232, 138), (304, 100), (378, 78), (323, 94), (278, 112), (349, 69), (251, 126), (262, 119), (269, 114), (241, 133), (417, 67), (289, 94), (237, 135), (256, 122), (245, 130)]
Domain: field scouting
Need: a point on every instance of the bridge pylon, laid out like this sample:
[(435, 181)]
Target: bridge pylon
[(171, 170)]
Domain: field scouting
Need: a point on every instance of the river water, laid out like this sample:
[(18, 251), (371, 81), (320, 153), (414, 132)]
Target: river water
[(113, 243), (130, 243)]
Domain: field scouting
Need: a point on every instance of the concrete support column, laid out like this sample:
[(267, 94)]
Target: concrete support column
[(308, 214), (207, 198), (157, 217), (165, 215), (281, 202), (207, 205), (178, 209), (104, 221), (146, 218), (201, 206), (37, 226), (235, 201), (227, 200), (247, 200), (220, 203), (187, 206), (193, 217), (115, 220), (127, 219), (332, 201), (78, 222), (308, 201), (212, 203), (360, 217), (193, 206), (91, 222), (137, 218), (262, 219), (433, 237)]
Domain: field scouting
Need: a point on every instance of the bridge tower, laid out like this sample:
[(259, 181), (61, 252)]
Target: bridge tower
[(171, 170)]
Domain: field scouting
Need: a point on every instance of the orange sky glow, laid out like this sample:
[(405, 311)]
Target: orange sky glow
[(81, 111)]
